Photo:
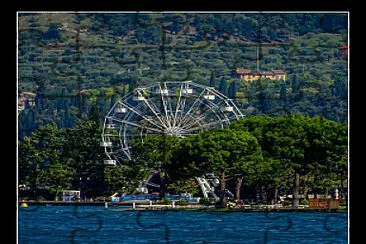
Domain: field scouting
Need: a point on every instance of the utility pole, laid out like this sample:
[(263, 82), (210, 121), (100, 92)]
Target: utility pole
[(258, 58)]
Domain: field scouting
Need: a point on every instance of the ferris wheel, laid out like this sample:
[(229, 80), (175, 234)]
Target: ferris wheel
[(164, 108)]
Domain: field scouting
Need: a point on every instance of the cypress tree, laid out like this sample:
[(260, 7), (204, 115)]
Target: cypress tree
[(212, 80), (232, 90), (295, 85), (223, 86)]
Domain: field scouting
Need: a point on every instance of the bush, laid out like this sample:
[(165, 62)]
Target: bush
[(41, 198), (304, 202), (165, 201), (101, 198), (342, 202), (207, 200), (182, 202), (286, 203)]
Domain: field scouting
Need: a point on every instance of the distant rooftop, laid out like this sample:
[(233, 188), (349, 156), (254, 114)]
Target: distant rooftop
[(241, 71)]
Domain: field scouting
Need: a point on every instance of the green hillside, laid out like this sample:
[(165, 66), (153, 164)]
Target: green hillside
[(71, 61)]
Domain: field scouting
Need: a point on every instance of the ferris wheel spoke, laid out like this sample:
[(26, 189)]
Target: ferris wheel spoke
[(206, 102), (110, 135), (193, 122), (209, 108), (136, 125), (155, 113), (142, 116), (179, 114), (181, 102), (193, 108), (218, 110), (201, 126), (117, 152), (139, 134), (177, 107), (165, 106), (203, 116)]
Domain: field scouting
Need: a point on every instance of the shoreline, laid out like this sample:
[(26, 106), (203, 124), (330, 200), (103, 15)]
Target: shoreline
[(144, 206)]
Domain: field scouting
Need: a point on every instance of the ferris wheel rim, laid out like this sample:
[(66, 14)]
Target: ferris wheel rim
[(170, 119)]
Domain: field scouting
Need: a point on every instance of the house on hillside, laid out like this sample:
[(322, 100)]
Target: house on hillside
[(26, 97), (250, 75), (343, 50)]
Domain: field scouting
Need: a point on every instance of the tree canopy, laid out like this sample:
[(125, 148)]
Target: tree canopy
[(290, 155)]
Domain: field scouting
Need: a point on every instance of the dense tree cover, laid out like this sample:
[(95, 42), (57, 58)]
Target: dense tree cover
[(74, 60), (57, 158), (283, 155), (155, 153), (225, 152), (304, 145)]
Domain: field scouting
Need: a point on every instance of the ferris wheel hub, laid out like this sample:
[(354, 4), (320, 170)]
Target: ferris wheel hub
[(174, 131)]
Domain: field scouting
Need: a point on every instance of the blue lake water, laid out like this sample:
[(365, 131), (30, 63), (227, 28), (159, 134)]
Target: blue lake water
[(95, 224)]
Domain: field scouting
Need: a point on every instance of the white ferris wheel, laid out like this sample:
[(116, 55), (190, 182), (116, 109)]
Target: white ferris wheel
[(164, 108)]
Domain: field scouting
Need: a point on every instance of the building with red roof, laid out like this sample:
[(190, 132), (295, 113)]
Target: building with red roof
[(344, 50), (250, 75)]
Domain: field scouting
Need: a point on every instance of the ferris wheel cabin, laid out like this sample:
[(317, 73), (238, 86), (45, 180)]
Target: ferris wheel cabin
[(121, 110), (106, 144), (209, 97), (229, 108), (109, 162), (165, 92), (187, 91)]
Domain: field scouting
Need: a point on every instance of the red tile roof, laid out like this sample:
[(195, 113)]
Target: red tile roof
[(243, 71), (344, 49), (278, 71), (251, 72), (266, 73)]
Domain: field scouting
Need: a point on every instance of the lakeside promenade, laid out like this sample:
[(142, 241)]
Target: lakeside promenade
[(147, 205)]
